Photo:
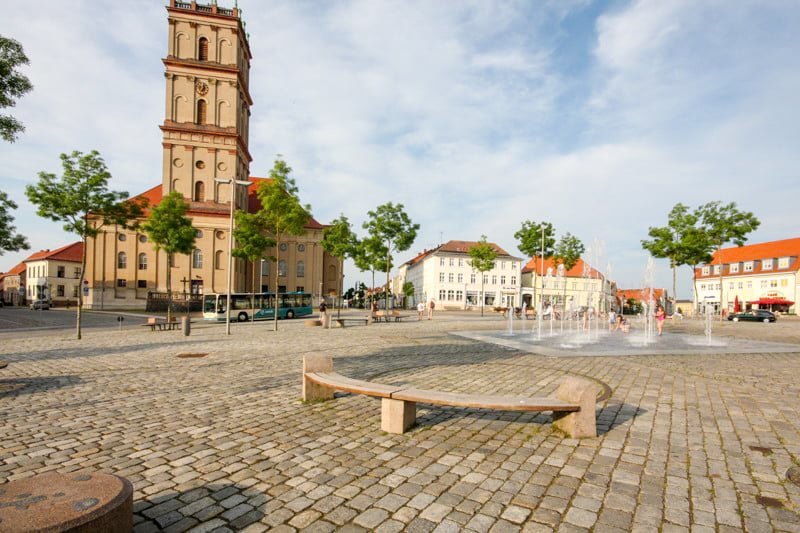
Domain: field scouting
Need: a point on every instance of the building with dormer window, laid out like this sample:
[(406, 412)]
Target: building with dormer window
[(756, 276)]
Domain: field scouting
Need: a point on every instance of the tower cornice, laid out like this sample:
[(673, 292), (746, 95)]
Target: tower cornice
[(209, 66), (206, 129)]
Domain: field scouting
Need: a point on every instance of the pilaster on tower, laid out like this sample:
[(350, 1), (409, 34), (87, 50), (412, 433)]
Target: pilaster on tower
[(207, 112)]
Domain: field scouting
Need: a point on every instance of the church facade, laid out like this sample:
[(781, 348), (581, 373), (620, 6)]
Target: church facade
[(205, 135)]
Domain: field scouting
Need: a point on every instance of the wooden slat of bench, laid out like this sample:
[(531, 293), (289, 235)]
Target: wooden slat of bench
[(505, 403), (357, 386)]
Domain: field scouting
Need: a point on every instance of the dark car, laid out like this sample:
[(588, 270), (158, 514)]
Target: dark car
[(754, 315)]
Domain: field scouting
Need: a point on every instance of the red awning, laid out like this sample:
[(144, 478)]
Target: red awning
[(772, 301)]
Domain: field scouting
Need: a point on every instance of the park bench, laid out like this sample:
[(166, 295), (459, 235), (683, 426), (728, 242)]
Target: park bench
[(343, 321), (162, 325), (573, 405), (396, 316)]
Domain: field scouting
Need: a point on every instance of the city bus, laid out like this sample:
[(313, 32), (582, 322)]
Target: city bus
[(291, 305)]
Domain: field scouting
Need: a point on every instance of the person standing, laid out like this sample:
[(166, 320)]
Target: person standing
[(612, 319), (323, 315), (660, 317), (420, 310), (431, 307)]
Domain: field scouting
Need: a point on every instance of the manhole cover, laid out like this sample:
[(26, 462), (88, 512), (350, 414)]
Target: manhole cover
[(191, 355), (766, 501), (793, 475), (763, 449)]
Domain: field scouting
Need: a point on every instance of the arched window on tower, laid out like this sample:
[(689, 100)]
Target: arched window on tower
[(197, 258), (142, 261), (301, 269), (202, 111), (218, 260), (202, 49), (199, 192), (122, 260)]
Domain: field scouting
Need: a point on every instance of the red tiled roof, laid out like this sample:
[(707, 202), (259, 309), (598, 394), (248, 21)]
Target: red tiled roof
[(70, 252), (756, 252), (154, 195), (19, 268), (640, 295), (454, 247), (535, 265)]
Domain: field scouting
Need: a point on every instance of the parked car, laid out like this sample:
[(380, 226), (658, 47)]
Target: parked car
[(754, 315), (40, 304)]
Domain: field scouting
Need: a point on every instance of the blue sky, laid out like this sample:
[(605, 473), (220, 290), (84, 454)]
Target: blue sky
[(596, 116)]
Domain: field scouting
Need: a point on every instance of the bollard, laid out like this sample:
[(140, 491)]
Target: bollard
[(186, 326)]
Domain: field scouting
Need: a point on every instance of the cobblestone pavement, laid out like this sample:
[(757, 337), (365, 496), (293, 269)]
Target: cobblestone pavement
[(222, 442)]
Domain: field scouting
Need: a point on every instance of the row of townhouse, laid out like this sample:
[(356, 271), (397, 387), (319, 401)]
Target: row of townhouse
[(52, 275), (761, 276), (445, 275)]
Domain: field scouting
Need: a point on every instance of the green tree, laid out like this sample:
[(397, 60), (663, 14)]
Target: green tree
[(339, 240), (370, 254), (9, 240), (81, 200), (391, 225), (408, 292), (12, 85), (723, 224), (250, 236), (536, 239), (170, 230), (670, 241), (482, 255), (568, 252), (282, 212)]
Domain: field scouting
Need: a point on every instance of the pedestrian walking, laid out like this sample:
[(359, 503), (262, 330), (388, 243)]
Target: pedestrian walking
[(324, 317), (420, 310), (431, 307), (612, 319)]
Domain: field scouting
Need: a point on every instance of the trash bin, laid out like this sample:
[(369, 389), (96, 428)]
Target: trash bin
[(186, 326)]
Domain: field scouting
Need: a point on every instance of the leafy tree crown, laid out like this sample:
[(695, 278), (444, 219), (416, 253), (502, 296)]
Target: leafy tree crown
[(338, 239), (568, 251), (482, 255), (530, 238), (280, 205), (12, 85), (168, 227), (9, 240)]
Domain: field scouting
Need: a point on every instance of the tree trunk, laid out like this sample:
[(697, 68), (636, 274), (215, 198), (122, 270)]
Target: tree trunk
[(277, 276), (483, 295), (721, 268), (386, 292), (253, 318), (169, 289), (341, 289), (80, 289), (674, 286)]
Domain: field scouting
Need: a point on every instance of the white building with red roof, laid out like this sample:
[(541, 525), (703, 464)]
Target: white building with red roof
[(54, 275), (445, 275), (762, 275)]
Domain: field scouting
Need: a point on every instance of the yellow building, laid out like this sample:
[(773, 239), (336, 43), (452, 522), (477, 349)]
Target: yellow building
[(54, 275), (580, 286), (763, 276), (205, 136)]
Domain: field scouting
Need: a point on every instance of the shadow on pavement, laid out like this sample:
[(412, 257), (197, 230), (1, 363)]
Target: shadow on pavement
[(19, 386)]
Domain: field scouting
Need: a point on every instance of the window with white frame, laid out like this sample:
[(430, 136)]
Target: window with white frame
[(502, 280), (461, 278), (773, 283), (459, 295), (460, 261), (441, 261), (749, 284), (494, 280), (730, 285), (763, 283), (513, 280), (706, 270), (717, 269), (783, 262), (472, 278), (734, 267), (441, 294), (766, 264), (450, 277), (486, 278), (450, 295), (452, 261), (441, 277), (741, 285), (748, 266)]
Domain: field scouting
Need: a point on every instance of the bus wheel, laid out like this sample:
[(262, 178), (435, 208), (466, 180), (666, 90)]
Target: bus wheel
[(242, 317), (289, 314)]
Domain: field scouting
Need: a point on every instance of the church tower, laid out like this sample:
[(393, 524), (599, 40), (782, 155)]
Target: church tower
[(206, 124)]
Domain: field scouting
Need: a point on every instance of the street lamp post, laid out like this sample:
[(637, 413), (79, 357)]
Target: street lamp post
[(232, 182)]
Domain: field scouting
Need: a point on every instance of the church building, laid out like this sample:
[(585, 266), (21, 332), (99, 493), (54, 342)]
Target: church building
[(205, 136)]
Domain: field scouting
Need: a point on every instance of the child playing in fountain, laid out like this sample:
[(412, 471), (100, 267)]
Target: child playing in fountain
[(660, 316)]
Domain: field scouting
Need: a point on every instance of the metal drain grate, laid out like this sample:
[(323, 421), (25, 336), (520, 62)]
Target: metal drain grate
[(793, 475), (191, 355)]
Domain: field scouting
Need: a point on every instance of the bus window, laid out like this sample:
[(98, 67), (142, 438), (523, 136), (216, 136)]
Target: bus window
[(209, 304)]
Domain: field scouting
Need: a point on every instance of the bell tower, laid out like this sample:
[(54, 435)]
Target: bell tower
[(207, 118)]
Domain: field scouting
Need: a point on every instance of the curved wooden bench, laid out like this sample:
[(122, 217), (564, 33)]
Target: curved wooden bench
[(573, 407)]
